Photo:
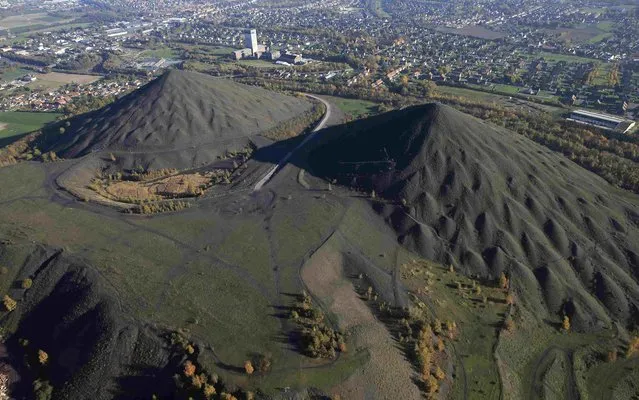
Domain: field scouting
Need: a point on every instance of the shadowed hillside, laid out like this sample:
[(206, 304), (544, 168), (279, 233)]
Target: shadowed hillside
[(487, 200)]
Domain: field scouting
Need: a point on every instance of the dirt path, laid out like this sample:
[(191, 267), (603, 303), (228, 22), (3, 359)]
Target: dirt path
[(544, 361), (387, 375), (269, 175)]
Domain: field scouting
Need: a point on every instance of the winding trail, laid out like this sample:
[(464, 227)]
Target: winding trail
[(271, 173)]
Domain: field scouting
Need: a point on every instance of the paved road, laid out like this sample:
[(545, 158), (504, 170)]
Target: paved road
[(267, 177)]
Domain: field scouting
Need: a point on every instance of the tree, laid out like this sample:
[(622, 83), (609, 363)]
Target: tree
[(509, 324), (189, 368), (198, 381), (27, 283), (427, 87), (9, 303), (439, 373), (42, 390), (612, 355), (633, 347), (565, 324), (43, 357), (209, 391), (510, 299), (342, 347), (503, 281), (248, 367), (4, 387), (431, 385)]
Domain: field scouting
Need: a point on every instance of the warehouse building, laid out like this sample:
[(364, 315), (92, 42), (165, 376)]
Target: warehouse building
[(605, 121)]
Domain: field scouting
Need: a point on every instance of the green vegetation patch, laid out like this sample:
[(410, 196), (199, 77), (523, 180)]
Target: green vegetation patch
[(14, 123), (478, 310), (553, 57), (354, 108)]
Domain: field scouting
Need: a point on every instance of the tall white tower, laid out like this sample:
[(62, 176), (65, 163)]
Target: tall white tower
[(250, 40)]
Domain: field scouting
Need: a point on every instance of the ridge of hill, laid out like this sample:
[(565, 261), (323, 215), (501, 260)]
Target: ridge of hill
[(487, 201), (177, 111)]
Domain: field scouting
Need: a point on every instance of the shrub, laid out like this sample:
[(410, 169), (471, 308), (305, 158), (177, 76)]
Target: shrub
[(263, 363), (42, 390), (612, 355), (439, 374), (209, 391), (189, 368), (431, 385), (248, 367), (27, 283), (565, 324), (633, 347), (9, 303), (43, 357), (503, 281), (509, 324)]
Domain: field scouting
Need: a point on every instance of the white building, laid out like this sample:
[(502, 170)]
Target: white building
[(250, 41)]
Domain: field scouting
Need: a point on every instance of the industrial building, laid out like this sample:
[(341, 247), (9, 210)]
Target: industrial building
[(250, 41), (252, 49), (604, 121)]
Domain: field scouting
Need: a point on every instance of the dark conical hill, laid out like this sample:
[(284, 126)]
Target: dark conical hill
[(489, 200), (178, 110)]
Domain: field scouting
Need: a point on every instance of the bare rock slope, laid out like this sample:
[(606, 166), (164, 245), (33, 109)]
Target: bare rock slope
[(487, 200), (176, 114)]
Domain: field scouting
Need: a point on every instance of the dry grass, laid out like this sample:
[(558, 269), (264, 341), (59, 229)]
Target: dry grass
[(169, 187), (63, 78)]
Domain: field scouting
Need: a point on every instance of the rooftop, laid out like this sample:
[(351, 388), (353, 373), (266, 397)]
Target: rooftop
[(605, 117)]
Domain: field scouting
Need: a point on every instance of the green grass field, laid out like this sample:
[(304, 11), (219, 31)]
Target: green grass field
[(470, 93), (375, 6), (353, 107), (10, 74), (163, 52), (600, 38), (552, 57), (14, 123)]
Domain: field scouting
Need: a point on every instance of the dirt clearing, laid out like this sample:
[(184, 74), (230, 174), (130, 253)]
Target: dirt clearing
[(387, 374)]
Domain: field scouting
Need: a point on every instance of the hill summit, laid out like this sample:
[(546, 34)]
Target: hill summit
[(176, 111), (487, 200)]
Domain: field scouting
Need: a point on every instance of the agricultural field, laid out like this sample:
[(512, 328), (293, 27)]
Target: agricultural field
[(54, 80), (585, 33), (27, 20), (13, 123)]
